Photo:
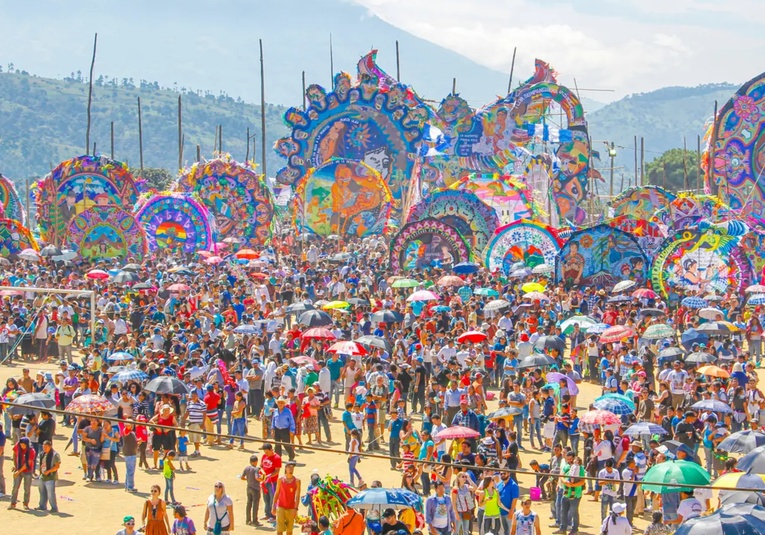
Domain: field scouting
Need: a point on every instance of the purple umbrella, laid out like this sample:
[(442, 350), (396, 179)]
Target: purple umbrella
[(555, 377)]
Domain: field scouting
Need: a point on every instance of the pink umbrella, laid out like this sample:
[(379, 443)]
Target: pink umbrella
[(11, 293), (97, 274), (616, 333), (472, 336), (213, 260), (205, 254), (422, 295), (598, 417), (555, 377), (347, 348), (319, 333), (90, 404), (178, 287), (644, 293), (457, 431), (302, 360)]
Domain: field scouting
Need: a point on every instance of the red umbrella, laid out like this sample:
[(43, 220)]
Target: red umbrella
[(90, 404), (644, 293), (598, 417), (178, 287), (457, 431), (472, 336), (97, 274), (318, 333), (451, 280), (347, 348), (247, 253), (616, 333), (302, 360), (258, 275)]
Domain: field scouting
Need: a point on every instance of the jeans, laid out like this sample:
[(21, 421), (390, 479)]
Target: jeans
[(505, 522), (75, 440), (130, 472), (268, 497), (606, 501), (755, 348), (630, 502), (425, 481), (2, 475), (3, 351), (229, 421), (463, 526), (169, 492), (574, 444), (394, 450), (48, 495), (570, 508), (557, 506), (535, 426), (237, 429), (352, 470), (561, 437), (219, 423), (335, 390), (518, 422), (256, 399), (65, 352), (94, 460), (24, 478), (253, 503), (491, 524), (371, 438), (709, 456), (324, 424)]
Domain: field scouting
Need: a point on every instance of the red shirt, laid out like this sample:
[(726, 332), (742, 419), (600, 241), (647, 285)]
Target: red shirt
[(211, 400), (287, 492), (270, 464)]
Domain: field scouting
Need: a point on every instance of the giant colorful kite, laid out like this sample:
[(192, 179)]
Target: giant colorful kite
[(176, 221), (103, 232), (10, 202), (601, 256), (344, 197), (235, 195), (649, 235), (15, 237), (77, 185), (687, 210), (524, 241), (641, 202), (427, 243)]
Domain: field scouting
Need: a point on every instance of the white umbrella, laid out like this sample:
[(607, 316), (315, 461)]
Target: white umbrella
[(623, 286), (497, 304), (711, 313), (30, 254), (542, 269)]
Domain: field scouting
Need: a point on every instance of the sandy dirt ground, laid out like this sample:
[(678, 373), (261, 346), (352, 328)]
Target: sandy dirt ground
[(98, 508)]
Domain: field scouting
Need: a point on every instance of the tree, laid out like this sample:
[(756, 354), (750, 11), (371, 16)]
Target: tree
[(668, 170), (156, 177)]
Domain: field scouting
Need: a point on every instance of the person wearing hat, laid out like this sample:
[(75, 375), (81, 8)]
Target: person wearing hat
[(615, 523), (283, 425), (391, 524), (129, 526)]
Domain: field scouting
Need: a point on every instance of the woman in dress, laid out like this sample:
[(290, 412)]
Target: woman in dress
[(163, 439), (220, 509), (154, 516), (311, 415)]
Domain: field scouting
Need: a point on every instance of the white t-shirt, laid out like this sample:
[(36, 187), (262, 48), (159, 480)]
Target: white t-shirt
[(219, 511), (676, 380), (689, 508), (609, 488), (618, 526)]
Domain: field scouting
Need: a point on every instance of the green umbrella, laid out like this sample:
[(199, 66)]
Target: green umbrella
[(657, 332), (567, 326), (405, 283), (488, 292), (682, 472), (620, 397)]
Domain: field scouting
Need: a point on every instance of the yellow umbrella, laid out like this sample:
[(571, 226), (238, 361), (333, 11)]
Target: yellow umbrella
[(731, 480), (335, 304), (729, 325), (532, 287)]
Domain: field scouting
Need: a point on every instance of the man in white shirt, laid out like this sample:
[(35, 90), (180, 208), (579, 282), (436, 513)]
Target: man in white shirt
[(505, 323), (447, 353), (676, 380), (65, 307), (689, 508), (608, 478)]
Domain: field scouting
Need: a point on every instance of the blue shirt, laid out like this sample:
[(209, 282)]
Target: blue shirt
[(508, 491), (348, 422), (335, 369), (452, 397), (183, 443), (395, 427), (282, 419), (469, 419)]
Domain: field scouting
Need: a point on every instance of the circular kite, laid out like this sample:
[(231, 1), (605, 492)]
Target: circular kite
[(427, 243), (753, 245), (650, 236), (463, 210), (77, 185), (10, 202), (701, 262), (641, 202), (237, 198), (15, 237), (176, 221), (104, 232), (345, 197), (522, 241), (687, 210), (601, 256), (737, 150)]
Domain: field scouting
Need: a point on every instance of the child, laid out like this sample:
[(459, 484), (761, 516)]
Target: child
[(143, 439), (353, 458), (252, 475), (183, 450), (549, 433), (182, 525), (168, 470), (324, 526), (370, 412), (401, 409), (408, 457), (357, 416)]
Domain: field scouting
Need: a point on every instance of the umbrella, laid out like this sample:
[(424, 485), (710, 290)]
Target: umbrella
[(652, 312), (303, 360), (741, 496), (753, 462), (90, 404), (672, 447), (550, 342), (116, 369), (315, 318), (119, 355), (740, 480), (694, 302), (742, 442), (30, 255), (247, 328), (357, 301), (5, 262), (213, 260), (465, 268), (299, 308), (444, 308), (472, 336), (504, 412), (340, 258), (382, 498), (755, 289), (41, 401), (598, 328), (183, 271), (567, 326), (711, 313), (166, 385), (450, 280), (614, 405), (334, 305), (616, 333), (143, 286), (374, 341), (730, 519), (536, 296), (347, 348), (692, 336), (657, 332), (179, 287), (700, 358), (533, 287), (131, 267), (644, 293), (755, 300), (124, 277), (197, 371), (622, 298), (50, 250), (405, 283), (555, 377), (623, 286), (712, 328), (232, 240), (248, 254), (711, 405), (387, 316), (486, 292), (542, 269), (683, 472), (535, 361), (600, 417), (713, 371), (318, 333), (422, 295), (99, 274), (520, 273), (456, 431), (644, 429), (496, 304), (129, 375), (671, 352)]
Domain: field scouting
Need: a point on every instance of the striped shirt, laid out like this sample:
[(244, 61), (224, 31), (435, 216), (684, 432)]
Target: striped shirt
[(195, 412)]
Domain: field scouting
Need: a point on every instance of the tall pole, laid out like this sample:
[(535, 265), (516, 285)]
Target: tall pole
[(90, 93), (664, 170), (263, 106), (140, 136), (199, 153), (29, 214), (111, 137), (398, 63), (304, 106), (512, 68), (636, 162), (642, 161), (612, 154), (94, 148), (454, 86), (220, 139), (712, 146), (698, 163), (180, 133), (686, 186), (331, 62), (247, 157)]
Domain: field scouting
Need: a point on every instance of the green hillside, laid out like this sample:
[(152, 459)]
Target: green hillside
[(42, 122)]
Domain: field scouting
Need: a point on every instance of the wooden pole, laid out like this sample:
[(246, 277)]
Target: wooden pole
[(636, 162), (263, 105), (90, 93), (29, 214), (247, 157), (140, 136), (398, 64), (642, 161), (94, 148), (698, 163), (215, 141), (199, 153), (512, 68), (304, 98), (111, 153), (612, 155), (686, 186), (331, 61), (454, 86), (180, 133), (220, 138), (664, 169)]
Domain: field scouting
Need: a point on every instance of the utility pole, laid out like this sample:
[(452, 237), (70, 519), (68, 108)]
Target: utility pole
[(642, 161), (180, 133), (686, 186), (636, 162), (512, 68), (140, 136), (263, 106), (90, 94), (398, 63), (612, 155), (112, 140)]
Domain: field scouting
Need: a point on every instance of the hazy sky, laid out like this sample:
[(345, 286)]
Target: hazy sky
[(625, 45)]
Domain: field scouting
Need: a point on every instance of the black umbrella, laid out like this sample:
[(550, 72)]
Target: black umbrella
[(386, 316), (700, 358), (125, 276), (374, 341), (41, 401), (731, 519), (50, 250), (357, 301), (536, 361), (143, 286), (166, 385), (550, 342), (315, 318), (652, 312), (742, 442), (712, 328), (671, 352), (299, 308), (753, 462), (131, 267)]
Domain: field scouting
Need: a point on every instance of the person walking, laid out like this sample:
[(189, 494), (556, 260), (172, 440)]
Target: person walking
[(252, 475), (219, 514), (287, 500), (129, 453), (23, 468), (525, 521), (439, 512), (572, 474), (154, 515), (49, 463), (270, 465), (283, 423)]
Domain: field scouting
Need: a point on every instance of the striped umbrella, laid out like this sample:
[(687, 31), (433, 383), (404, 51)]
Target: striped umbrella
[(694, 302), (657, 332), (616, 333), (126, 376), (614, 405), (756, 300)]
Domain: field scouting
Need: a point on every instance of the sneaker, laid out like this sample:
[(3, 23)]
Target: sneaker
[(54, 511), (115, 482)]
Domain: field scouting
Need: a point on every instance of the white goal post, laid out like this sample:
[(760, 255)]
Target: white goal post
[(90, 293)]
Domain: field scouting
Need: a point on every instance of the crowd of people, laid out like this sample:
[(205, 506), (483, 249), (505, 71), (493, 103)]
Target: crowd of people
[(267, 349)]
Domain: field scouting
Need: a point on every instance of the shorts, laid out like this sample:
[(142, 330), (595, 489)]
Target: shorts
[(285, 519), (549, 430), (183, 459), (195, 435)]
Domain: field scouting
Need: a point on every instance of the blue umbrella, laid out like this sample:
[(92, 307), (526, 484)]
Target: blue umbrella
[(442, 308), (119, 355), (247, 329), (694, 302), (711, 405), (129, 375), (465, 268), (756, 300), (644, 428), (520, 273), (385, 498), (730, 519), (692, 336), (617, 406), (598, 328)]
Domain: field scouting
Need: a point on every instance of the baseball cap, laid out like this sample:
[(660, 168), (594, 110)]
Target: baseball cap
[(618, 508)]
